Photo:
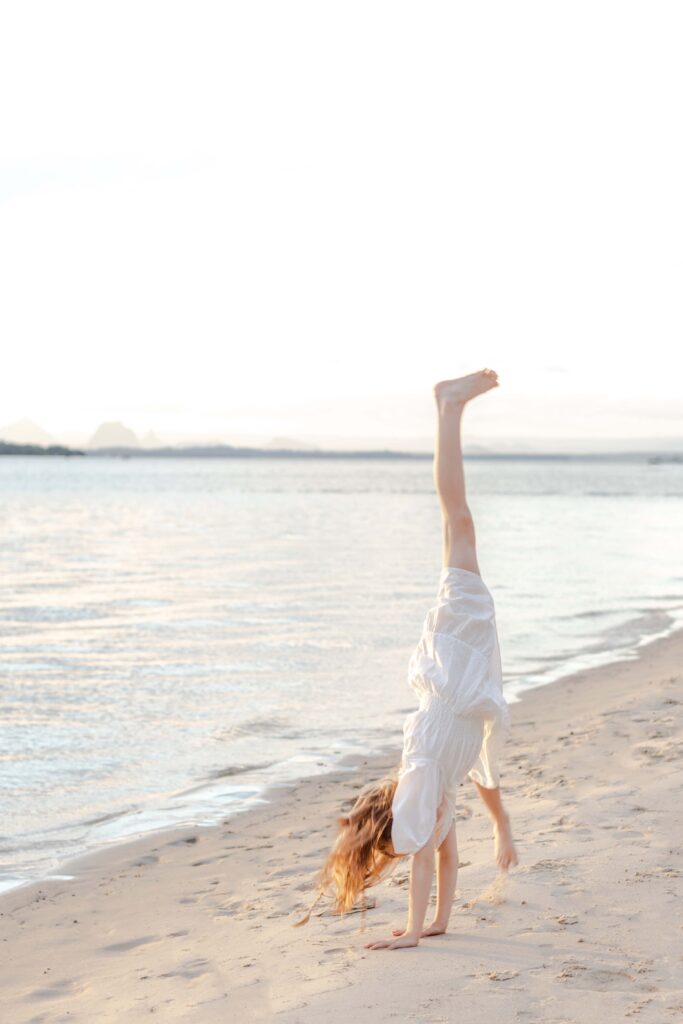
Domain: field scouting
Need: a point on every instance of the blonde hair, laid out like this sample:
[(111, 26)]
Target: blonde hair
[(362, 851)]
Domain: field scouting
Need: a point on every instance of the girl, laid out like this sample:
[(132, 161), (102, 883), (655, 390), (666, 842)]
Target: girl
[(456, 731)]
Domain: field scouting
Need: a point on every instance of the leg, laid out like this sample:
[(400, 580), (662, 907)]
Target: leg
[(506, 855), (459, 544)]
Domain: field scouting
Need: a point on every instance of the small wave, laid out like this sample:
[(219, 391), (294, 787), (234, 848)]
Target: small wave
[(49, 614), (239, 769), (594, 613), (102, 818)]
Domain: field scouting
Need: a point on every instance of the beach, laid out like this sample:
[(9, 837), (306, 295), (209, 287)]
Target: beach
[(196, 924)]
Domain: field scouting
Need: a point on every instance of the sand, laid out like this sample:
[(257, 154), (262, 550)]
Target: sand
[(196, 925)]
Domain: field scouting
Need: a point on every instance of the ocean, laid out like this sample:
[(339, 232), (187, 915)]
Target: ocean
[(177, 635)]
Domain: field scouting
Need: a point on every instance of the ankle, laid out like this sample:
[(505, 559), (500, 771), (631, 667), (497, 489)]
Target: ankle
[(449, 405)]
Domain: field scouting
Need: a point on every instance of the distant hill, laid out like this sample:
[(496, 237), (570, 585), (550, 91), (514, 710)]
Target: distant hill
[(37, 449), (224, 451), (25, 431), (113, 435)]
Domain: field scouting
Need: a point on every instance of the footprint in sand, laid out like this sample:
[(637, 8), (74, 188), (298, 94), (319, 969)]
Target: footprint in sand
[(653, 752), (284, 873), (190, 969), (596, 978), (632, 1011), (629, 833), (502, 975), (546, 865), (58, 990), (124, 947), (151, 858), (186, 841), (664, 872)]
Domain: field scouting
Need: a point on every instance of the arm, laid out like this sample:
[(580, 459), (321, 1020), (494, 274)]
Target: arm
[(446, 880), (421, 874)]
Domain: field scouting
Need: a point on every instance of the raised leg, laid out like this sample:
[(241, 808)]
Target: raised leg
[(459, 541)]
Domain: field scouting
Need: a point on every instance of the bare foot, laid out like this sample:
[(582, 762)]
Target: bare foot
[(506, 854), (431, 929), (403, 941), (461, 389)]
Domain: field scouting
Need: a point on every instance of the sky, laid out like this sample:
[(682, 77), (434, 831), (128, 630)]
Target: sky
[(290, 219)]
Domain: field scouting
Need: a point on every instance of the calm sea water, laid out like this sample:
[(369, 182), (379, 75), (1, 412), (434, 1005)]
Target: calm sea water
[(177, 634)]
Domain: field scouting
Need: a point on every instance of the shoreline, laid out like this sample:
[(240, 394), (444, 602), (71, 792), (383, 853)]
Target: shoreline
[(214, 813), (196, 922)]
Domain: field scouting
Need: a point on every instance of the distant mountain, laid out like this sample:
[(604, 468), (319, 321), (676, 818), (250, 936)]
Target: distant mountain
[(113, 435), (25, 432), (36, 449), (224, 451)]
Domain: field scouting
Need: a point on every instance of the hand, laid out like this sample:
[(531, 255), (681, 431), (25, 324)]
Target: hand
[(506, 854), (430, 929), (404, 941)]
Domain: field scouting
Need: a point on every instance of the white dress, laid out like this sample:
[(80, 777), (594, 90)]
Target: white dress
[(462, 718)]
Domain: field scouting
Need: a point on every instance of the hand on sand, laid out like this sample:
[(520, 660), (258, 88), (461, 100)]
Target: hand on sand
[(404, 941), (506, 854), (431, 929)]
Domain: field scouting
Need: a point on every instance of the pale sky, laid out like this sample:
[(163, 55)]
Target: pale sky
[(292, 218)]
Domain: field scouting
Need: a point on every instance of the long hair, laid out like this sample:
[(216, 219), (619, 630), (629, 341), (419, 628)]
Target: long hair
[(362, 851)]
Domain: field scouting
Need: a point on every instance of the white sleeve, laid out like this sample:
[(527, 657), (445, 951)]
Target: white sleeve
[(415, 804), (485, 769)]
